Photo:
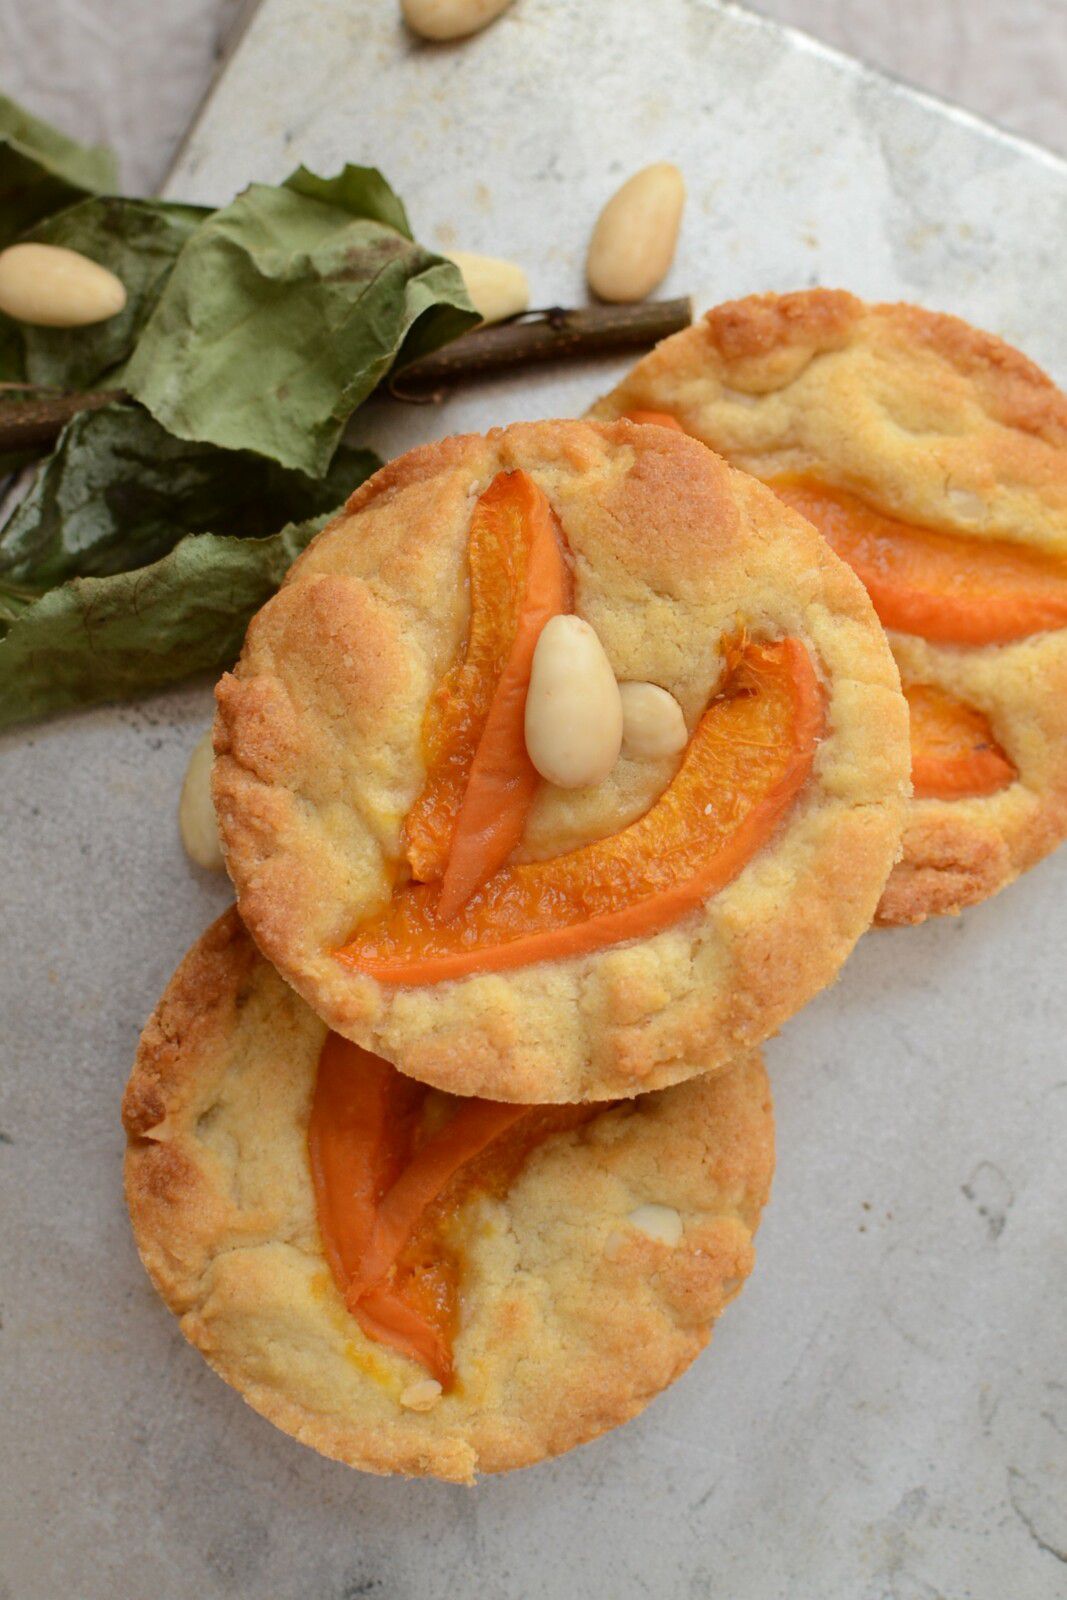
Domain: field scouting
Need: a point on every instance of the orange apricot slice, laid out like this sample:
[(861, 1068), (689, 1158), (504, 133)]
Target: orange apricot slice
[(940, 586), (480, 781), (359, 1135), (953, 751), (750, 756), (475, 1125), (386, 1189), (656, 419)]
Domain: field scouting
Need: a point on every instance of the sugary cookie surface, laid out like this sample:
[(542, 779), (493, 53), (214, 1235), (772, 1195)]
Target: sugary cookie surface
[(598, 940), (934, 459), (588, 1270)]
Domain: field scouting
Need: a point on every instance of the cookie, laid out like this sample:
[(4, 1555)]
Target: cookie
[(635, 931), (934, 458), (586, 1266)]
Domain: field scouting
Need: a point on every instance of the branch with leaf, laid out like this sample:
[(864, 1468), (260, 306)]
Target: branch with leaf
[(211, 409)]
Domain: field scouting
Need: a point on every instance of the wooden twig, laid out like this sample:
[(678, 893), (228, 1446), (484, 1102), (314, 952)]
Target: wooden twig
[(32, 418), (553, 335)]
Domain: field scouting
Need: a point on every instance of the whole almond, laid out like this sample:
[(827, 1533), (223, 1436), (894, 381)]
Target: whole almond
[(498, 289), (196, 812), (422, 1395), (573, 710), (652, 722), (662, 1223), (52, 287), (450, 19), (636, 235)]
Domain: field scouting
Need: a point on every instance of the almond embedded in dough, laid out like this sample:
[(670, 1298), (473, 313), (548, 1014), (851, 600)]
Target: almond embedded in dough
[(652, 722), (421, 1396), (573, 709), (662, 1223)]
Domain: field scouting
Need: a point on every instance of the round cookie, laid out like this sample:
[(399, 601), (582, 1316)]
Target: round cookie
[(933, 425), (674, 556), (574, 1313)]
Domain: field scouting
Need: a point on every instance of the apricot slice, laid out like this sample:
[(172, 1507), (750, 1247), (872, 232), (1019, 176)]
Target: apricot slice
[(360, 1130), (480, 781), (658, 419), (386, 1188), (953, 750), (750, 756), (940, 586)]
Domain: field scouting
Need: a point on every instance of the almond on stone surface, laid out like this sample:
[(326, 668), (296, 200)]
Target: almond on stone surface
[(498, 289), (450, 19), (636, 235), (197, 823)]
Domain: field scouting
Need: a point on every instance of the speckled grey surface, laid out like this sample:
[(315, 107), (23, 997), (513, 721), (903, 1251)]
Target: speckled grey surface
[(883, 1414)]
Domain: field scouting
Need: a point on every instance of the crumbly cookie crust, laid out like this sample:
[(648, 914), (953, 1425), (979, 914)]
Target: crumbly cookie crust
[(938, 424), (319, 759), (573, 1318)]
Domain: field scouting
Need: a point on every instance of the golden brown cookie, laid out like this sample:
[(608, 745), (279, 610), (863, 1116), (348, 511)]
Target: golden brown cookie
[(935, 459), (588, 1278), (645, 928)]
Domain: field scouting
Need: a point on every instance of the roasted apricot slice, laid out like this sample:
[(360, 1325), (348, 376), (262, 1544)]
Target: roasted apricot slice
[(751, 754), (657, 419), (480, 781), (953, 750), (941, 586), (388, 1183)]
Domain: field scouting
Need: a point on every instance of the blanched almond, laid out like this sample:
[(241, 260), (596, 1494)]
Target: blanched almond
[(497, 288), (421, 1396), (450, 19), (661, 1223), (573, 709), (652, 722), (196, 812), (51, 287), (636, 235)]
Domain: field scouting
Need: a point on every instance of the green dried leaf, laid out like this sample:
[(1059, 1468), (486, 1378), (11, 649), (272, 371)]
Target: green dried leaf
[(112, 638), (362, 191), (119, 492), (137, 240), (285, 310), (41, 170)]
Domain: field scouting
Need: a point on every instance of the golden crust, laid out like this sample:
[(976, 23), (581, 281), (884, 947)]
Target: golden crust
[(319, 759), (572, 1318), (939, 424)]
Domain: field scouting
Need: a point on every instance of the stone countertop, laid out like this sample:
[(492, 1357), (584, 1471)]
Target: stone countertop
[(881, 1415), (132, 74)]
